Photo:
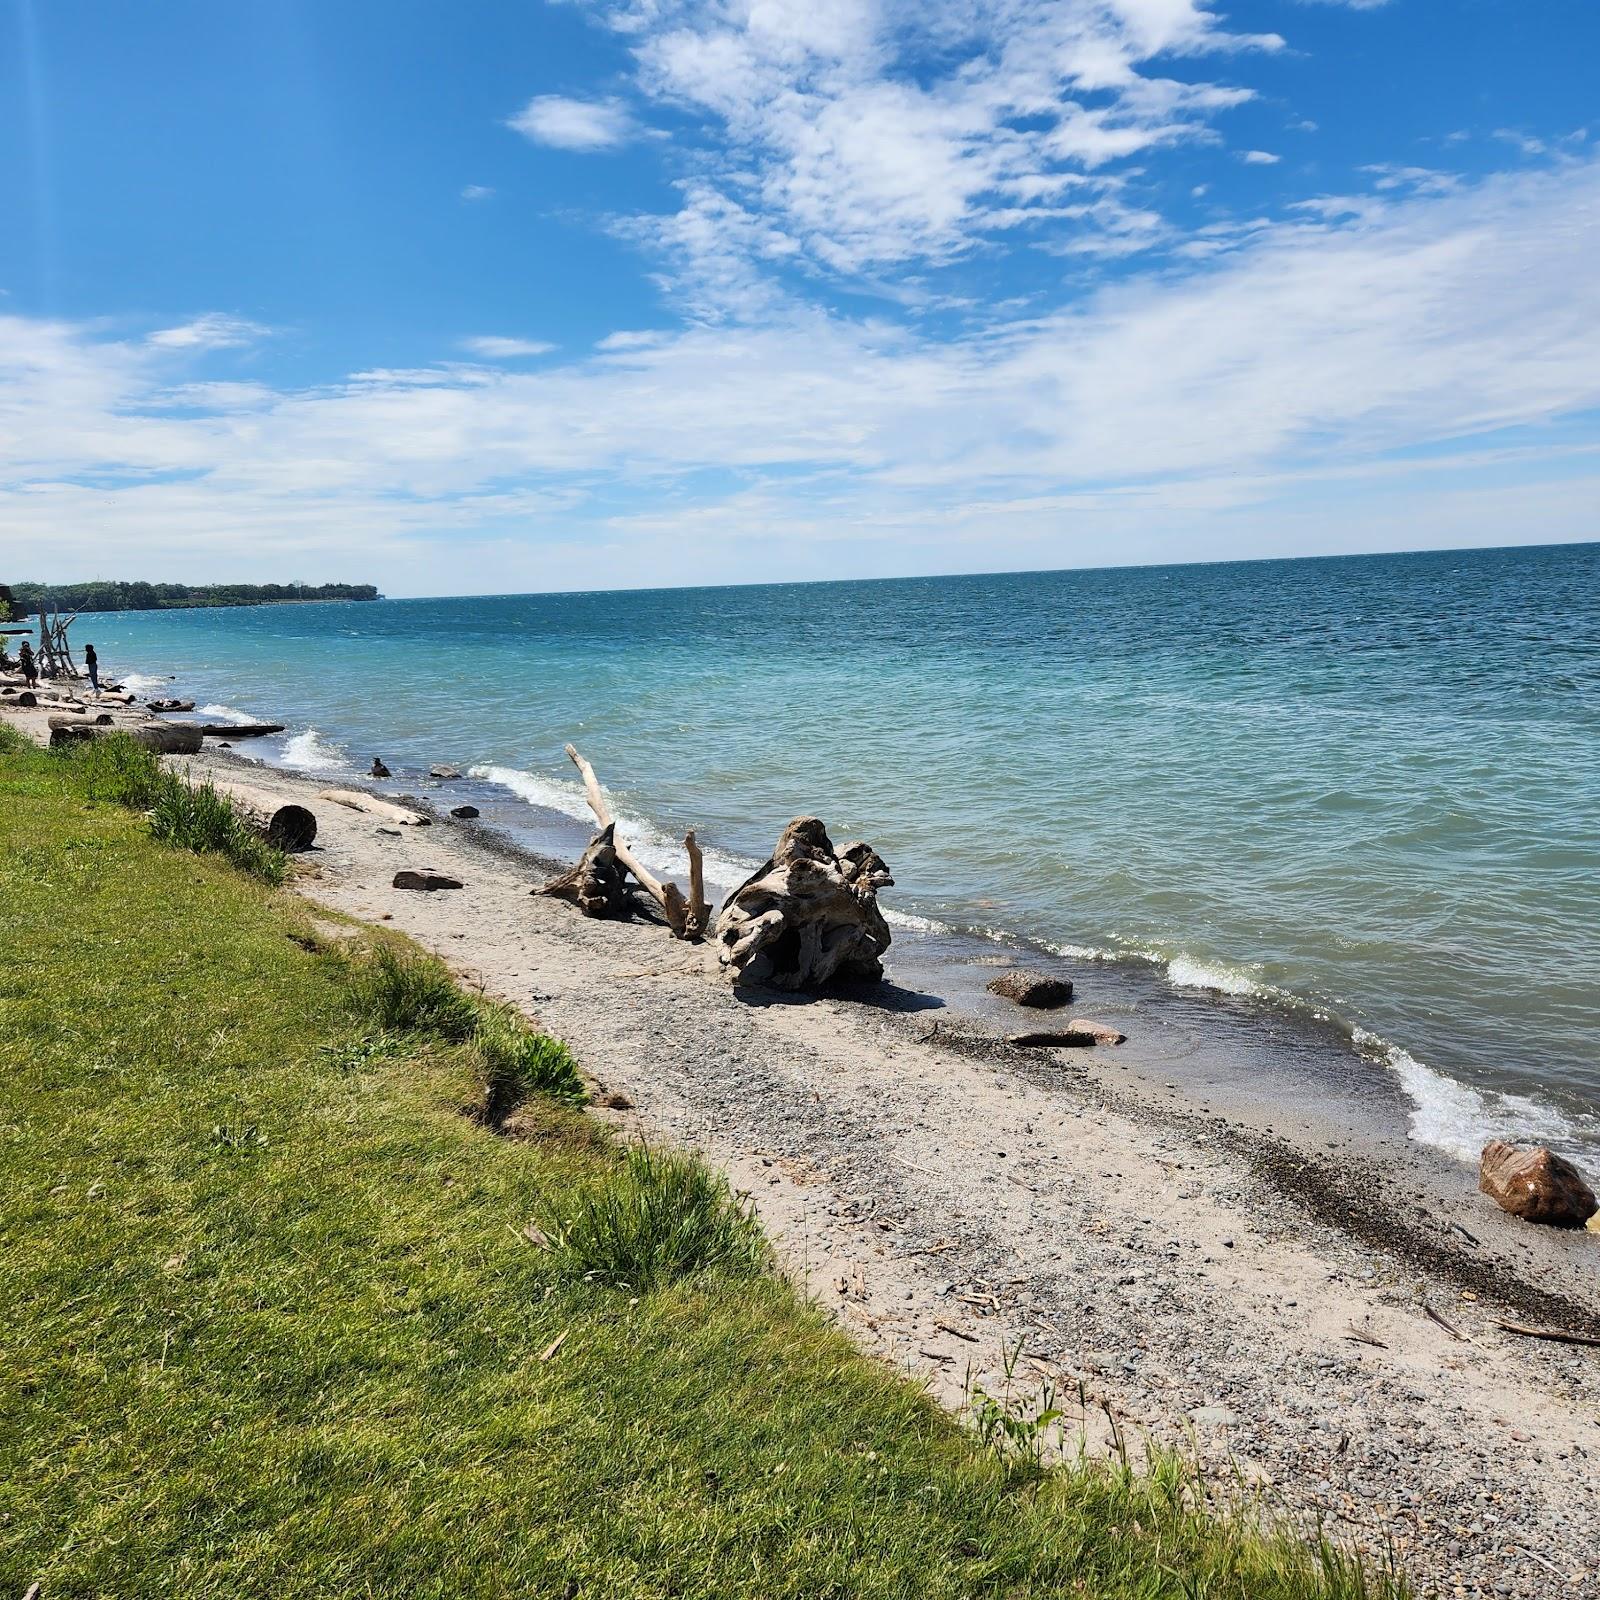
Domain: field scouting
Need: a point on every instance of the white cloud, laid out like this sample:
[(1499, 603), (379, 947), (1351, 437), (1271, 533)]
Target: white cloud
[(1260, 158), (477, 191), (492, 347), (1373, 354), (214, 331), (568, 124)]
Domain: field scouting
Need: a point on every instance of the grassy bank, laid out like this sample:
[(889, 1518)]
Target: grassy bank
[(284, 1312)]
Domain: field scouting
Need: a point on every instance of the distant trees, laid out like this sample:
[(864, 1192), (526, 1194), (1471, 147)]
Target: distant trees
[(26, 598), (8, 605)]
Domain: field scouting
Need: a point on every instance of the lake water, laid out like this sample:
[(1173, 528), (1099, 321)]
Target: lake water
[(1363, 790)]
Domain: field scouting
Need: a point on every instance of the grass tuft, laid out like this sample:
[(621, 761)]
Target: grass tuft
[(407, 992), (195, 817), (513, 1062), (657, 1218)]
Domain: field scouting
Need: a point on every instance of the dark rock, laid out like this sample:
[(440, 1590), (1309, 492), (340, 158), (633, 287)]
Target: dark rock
[(1536, 1185), (411, 878), (464, 813), (378, 769), (1034, 989)]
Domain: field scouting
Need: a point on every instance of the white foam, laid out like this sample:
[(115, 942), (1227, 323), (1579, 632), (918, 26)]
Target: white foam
[(1186, 972), (309, 753), (141, 682), (218, 710), (1456, 1118)]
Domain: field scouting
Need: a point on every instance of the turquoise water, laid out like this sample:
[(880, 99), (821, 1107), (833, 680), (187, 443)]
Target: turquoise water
[(1367, 788)]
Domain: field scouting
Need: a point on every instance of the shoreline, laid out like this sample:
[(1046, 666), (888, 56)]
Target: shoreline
[(1176, 1256)]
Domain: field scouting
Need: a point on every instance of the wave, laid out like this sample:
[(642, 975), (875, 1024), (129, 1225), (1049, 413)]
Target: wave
[(309, 752), (229, 712), (1189, 972), (1454, 1117), (143, 682)]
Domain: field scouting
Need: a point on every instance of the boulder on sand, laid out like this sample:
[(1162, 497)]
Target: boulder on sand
[(1036, 989), (1535, 1184), (464, 813), (444, 774), (413, 878)]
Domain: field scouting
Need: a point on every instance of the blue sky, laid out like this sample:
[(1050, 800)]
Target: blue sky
[(611, 292)]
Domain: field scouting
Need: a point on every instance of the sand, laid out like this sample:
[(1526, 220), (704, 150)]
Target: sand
[(1259, 1294)]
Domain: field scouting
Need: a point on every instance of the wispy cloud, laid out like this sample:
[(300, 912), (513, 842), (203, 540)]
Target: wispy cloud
[(214, 331), (1259, 158), (569, 124), (477, 191), (492, 347)]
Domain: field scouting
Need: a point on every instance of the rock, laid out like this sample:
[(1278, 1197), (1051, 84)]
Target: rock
[(412, 878), (1035, 989), (1214, 1417), (464, 813), (378, 769), (1079, 1034), (1535, 1184), (444, 773)]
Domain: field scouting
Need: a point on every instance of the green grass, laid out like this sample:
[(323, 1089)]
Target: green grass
[(272, 1322)]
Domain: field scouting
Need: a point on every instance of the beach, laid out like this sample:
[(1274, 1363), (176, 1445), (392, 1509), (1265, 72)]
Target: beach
[(1312, 1302)]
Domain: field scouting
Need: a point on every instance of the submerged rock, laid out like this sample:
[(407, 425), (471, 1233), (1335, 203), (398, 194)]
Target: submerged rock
[(1536, 1185), (1078, 1034), (444, 774), (1034, 989), (378, 768), (412, 878)]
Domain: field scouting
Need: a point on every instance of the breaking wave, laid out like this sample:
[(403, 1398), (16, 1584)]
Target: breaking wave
[(309, 752)]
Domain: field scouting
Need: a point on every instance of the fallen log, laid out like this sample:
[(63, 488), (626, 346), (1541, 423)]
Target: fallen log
[(289, 826), (239, 730), (808, 916), (169, 705), (357, 801), (666, 895), (81, 719), (163, 738)]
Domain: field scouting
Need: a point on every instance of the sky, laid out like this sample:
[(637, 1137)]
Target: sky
[(522, 295)]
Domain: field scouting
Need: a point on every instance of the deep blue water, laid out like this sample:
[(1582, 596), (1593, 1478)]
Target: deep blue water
[(1367, 786)]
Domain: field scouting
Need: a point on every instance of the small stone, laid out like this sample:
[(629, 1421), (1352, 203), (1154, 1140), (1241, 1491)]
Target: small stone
[(1537, 1185), (1034, 989), (464, 813), (444, 773), (412, 878)]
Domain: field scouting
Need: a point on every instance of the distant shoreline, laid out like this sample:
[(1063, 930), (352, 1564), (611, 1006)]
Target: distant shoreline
[(119, 597)]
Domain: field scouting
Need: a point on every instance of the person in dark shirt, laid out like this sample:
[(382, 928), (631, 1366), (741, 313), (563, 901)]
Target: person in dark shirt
[(30, 670), (92, 662)]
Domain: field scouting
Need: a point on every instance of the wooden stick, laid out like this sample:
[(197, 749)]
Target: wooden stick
[(591, 787), (1448, 1326), (1559, 1335)]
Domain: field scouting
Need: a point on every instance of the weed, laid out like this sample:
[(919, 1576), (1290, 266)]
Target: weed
[(412, 993), (355, 1055), (658, 1217), (1017, 1427), (195, 817), (514, 1062)]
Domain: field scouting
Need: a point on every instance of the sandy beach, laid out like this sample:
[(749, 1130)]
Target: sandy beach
[(1316, 1308)]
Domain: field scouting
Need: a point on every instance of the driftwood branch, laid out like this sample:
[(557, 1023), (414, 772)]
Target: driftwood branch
[(1559, 1335), (591, 884), (699, 911)]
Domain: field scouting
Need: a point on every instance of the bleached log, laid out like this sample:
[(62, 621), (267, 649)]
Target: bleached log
[(699, 911), (374, 807), (81, 719), (164, 738), (808, 916)]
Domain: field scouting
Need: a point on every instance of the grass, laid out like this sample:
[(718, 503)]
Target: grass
[(272, 1324)]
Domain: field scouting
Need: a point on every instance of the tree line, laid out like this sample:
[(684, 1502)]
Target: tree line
[(25, 599)]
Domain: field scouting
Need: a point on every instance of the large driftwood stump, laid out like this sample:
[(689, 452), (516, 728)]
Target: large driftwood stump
[(809, 916), (598, 884)]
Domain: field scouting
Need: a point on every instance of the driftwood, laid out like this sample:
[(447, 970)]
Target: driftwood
[(170, 705), (290, 827), (1559, 1335), (81, 719), (809, 915), (164, 738), (239, 730), (357, 801), (597, 885)]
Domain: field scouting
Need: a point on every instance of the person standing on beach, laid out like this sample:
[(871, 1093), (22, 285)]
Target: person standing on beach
[(92, 662), (30, 670)]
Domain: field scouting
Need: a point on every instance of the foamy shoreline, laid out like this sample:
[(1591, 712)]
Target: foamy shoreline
[(947, 1196)]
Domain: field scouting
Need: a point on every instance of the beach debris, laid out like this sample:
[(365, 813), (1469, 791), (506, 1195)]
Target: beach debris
[(1036, 989), (288, 826), (239, 730), (81, 719), (444, 774), (597, 885), (378, 770), (1556, 1335), (808, 915), (421, 878), (1078, 1034), (373, 806), (169, 705), (1535, 1184), (464, 813)]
